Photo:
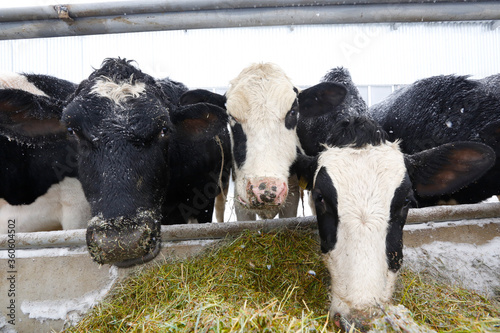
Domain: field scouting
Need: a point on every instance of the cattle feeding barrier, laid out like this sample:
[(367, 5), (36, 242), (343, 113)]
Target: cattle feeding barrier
[(55, 281)]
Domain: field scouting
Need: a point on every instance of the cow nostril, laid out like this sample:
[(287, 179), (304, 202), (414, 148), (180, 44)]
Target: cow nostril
[(266, 199), (262, 186)]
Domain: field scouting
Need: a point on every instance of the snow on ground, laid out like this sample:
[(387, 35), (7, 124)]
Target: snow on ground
[(70, 310), (475, 267)]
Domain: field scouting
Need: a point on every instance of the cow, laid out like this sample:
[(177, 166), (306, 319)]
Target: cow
[(134, 146), (39, 187), (362, 187), (262, 105), (443, 109)]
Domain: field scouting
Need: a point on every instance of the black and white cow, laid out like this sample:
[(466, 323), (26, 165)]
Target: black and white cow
[(262, 106), (134, 146), (39, 188), (362, 186), (444, 109)]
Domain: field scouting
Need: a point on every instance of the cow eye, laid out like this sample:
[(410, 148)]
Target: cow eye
[(318, 197), (164, 132), (71, 131), (291, 118), (410, 201)]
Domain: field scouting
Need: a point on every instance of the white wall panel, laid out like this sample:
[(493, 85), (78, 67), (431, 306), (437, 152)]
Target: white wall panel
[(376, 54)]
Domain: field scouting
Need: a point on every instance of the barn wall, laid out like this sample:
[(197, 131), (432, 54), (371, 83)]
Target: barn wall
[(376, 54)]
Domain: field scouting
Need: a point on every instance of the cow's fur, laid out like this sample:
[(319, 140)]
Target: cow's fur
[(444, 109), (39, 186)]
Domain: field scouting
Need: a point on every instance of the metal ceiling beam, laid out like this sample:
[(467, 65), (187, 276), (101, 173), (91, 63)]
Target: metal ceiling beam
[(121, 17)]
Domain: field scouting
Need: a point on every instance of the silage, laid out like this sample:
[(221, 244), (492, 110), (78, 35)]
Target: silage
[(266, 282)]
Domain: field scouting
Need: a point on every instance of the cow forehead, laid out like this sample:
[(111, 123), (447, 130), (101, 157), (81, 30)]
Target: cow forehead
[(118, 92), (260, 91), (365, 176)]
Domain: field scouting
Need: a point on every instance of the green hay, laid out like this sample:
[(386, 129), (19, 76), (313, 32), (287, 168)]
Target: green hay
[(264, 282), (444, 307)]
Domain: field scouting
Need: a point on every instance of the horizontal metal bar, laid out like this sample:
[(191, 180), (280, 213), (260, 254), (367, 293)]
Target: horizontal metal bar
[(251, 17), (173, 233), (79, 10)]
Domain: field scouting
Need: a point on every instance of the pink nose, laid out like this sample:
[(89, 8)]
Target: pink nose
[(267, 191)]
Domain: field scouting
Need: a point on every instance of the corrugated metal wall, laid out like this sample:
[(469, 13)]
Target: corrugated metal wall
[(376, 54)]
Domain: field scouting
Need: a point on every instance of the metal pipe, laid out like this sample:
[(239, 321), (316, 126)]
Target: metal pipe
[(79, 10), (72, 238), (249, 17)]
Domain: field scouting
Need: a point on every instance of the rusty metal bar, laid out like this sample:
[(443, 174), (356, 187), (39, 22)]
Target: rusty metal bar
[(177, 15)]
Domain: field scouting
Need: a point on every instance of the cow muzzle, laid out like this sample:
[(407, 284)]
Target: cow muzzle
[(124, 241), (266, 192)]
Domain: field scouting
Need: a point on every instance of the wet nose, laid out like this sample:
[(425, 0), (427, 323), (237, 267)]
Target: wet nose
[(124, 241), (267, 191)]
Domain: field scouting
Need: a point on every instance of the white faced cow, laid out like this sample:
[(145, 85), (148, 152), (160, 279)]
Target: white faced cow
[(362, 186), (134, 148), (39, 189), (262, 106)]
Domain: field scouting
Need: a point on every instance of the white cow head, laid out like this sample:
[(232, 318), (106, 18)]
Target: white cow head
[(263, 109)]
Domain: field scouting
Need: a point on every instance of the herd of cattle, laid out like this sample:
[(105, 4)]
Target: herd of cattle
[(122, 153)]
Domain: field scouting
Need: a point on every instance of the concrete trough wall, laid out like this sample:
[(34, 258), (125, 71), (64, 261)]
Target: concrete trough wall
[(55, 280)]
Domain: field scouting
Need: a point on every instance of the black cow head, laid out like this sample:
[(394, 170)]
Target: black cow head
[(122, 121)]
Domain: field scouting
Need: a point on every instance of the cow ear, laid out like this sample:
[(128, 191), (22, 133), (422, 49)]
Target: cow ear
[(202, 96), (27, 118), (321, 99), (305, 168), (449, 167), (199, 121)]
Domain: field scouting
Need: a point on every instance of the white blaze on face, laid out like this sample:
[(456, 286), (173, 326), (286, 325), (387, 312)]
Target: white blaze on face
[(17, 81), (365, 180), (259, 99), (117, 91)]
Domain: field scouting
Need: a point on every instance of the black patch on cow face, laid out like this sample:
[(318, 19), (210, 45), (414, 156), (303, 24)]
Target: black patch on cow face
[(291, 117), (325, 200), (239, 143), (123, 150), (402, 201)]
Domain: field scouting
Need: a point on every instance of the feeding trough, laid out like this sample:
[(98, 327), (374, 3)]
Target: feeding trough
[(53, 281)]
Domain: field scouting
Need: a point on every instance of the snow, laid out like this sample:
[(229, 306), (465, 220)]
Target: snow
[(475, 267), (397, 318), (67, 309)]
